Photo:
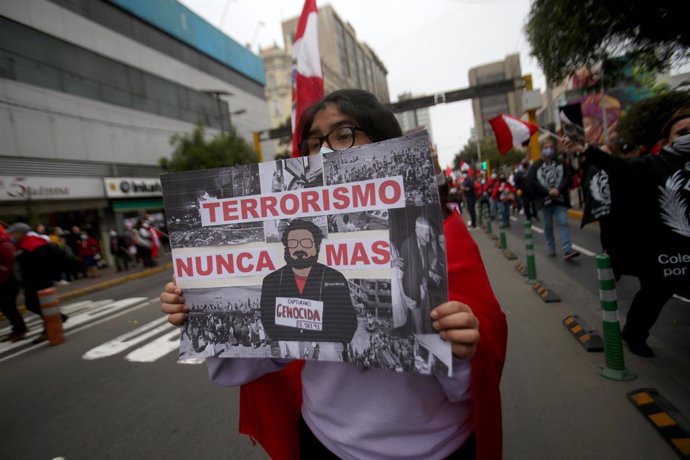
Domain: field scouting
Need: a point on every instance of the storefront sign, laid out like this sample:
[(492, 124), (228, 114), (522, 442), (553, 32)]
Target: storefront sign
[(128, 187), (23, 188)]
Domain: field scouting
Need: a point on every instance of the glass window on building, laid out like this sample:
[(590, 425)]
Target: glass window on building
[(490, 78), (351, 56), (362, 80), (342, 49)]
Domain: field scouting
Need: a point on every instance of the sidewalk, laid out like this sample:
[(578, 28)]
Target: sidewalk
[(555, 404), (108, 277)]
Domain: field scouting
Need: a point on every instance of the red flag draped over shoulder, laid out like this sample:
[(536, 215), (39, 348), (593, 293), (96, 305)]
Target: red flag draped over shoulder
[(511, 131), (307, 78)]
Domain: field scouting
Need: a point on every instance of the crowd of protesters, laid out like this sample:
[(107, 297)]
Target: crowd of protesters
[(32, 259)]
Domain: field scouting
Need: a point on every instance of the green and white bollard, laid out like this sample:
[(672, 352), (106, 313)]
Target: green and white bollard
[(613, 343), (529, 249), (489, 230), (502, 244)]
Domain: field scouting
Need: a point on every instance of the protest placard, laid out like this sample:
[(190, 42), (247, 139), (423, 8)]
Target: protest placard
[(334, 257)]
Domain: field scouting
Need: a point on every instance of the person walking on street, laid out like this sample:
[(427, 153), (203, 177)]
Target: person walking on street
[(9, 288), (90, 253), (650, 193), (144, 242), (118, 249), (39, 265), (547, 181), (468, 191), (504, 194)]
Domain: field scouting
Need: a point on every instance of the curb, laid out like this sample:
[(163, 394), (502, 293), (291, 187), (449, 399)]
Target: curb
[(545, 293), (664, 417), (583, 333), (575, 213), (104, 285)]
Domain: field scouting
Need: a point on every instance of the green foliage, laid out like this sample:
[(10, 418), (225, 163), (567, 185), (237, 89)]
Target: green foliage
[(193, 151), (566, 35), (499, 163), (641, 123)]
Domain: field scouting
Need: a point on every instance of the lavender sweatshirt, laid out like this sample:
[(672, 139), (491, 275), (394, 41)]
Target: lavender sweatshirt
[(362, 413)]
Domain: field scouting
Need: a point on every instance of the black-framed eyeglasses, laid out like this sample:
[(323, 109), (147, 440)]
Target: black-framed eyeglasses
[(306, 243), (339, 139)]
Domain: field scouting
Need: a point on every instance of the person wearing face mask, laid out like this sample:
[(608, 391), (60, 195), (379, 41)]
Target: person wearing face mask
[(653, 241), (331, 410), (547, 183), (90, 253)]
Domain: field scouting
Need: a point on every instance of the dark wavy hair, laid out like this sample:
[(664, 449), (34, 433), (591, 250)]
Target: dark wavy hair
[(300, 224), (364, 108)]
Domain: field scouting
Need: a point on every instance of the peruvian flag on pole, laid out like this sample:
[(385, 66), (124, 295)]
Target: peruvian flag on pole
[(511, 132), (307, 78)]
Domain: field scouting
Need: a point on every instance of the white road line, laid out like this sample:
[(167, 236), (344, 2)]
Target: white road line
[(71, 329), (537, 229), (128, 340), (32, 321), (584, 251), (156, 349)]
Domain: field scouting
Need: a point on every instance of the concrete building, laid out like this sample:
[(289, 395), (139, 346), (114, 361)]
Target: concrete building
[(91, 92), (487, 107), (346, 63), (419, 118)]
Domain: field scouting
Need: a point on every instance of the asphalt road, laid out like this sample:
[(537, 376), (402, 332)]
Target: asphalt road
[(57, 404), (115, 390)]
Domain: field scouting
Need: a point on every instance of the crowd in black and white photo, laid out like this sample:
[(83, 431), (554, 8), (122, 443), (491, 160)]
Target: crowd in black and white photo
[(386, 352), (412, 163), (214, 326)]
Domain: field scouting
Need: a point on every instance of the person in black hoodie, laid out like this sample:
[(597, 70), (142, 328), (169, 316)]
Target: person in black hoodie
[(655, 243), (547, 182), (39, 265), (305, 300)]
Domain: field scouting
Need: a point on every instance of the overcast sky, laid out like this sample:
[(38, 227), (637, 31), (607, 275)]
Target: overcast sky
[(428, 46)]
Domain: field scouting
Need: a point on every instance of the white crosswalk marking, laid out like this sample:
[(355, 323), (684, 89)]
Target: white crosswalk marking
[(156, 349), (82, 315), (129, 339)]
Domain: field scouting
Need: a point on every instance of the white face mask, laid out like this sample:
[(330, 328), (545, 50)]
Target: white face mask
[(326, 149), (682, 143)]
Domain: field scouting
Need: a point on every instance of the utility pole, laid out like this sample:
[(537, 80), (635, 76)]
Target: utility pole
[(535, 153)]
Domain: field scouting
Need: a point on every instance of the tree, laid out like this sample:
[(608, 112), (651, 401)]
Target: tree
[(499, 163), (193, 151), (641, 123), (566, 35)]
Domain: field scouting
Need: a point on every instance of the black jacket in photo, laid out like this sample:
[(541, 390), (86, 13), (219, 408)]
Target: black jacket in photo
[(324, 284)]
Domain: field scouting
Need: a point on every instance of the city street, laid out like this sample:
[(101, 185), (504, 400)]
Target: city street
[(114, 389)]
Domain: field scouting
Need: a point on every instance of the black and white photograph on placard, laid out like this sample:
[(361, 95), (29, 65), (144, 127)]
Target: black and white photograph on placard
[(291, 174), (276, 263), (408, 157), (419, 265), (224, 322), (185, 190), (358, 221)]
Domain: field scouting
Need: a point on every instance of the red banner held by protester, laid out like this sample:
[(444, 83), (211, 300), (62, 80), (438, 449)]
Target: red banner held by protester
[(511, 131), (307, 77)]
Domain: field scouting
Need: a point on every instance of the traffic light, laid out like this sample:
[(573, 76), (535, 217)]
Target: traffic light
[(485, 165)]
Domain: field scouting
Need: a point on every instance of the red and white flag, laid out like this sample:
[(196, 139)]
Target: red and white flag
[(307, 78), (511, 132)]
